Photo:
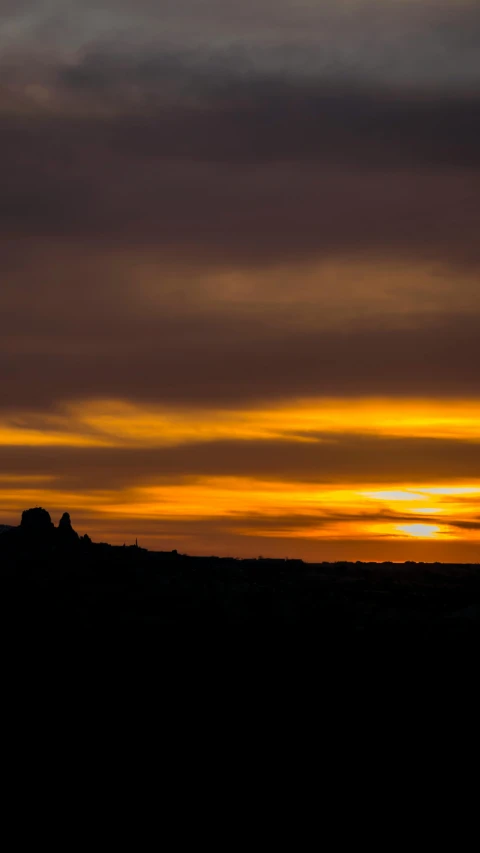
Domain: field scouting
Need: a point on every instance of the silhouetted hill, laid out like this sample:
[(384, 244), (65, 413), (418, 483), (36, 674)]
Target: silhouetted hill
[(52, 576)]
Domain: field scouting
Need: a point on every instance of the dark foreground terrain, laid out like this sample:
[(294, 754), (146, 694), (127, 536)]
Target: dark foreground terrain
[(52, 577)]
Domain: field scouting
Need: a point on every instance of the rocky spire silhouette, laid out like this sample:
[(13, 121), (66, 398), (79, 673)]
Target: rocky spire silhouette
[(66, 532)]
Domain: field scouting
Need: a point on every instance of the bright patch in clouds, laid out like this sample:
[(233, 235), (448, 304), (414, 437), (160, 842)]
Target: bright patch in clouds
[(422, 531), (394, 495)]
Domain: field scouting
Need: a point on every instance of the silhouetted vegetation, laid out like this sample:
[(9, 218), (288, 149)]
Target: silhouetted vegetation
[(51, 576)]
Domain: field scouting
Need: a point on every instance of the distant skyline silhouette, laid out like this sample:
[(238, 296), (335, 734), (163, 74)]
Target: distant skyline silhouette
[(57, 583)]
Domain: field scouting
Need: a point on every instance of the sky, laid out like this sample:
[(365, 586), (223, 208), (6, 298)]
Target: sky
[(239, 274)]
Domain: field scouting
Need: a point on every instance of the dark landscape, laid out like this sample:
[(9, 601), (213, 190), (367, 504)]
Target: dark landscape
[(51, 577)]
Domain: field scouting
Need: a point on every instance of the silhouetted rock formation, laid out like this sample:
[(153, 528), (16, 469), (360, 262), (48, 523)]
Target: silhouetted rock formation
[(36, 529), (66, 533), (36, 520), (37, 533)]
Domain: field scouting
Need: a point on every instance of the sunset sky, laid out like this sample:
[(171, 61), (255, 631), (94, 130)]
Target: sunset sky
[(239, 274)]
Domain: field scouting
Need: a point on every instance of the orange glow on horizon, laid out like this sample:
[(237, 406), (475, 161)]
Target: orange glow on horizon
[(252, 507)]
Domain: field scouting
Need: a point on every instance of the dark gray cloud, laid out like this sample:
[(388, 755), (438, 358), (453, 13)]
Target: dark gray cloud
[(101, 183), (344, 460), (224, 360), (216, 115), (222, 108), (412, 43), (235, 164)]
